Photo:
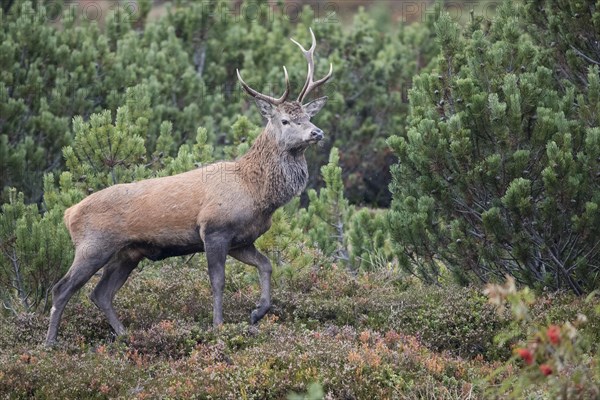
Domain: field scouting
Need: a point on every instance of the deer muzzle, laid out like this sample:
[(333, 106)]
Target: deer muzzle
[(316, 135)]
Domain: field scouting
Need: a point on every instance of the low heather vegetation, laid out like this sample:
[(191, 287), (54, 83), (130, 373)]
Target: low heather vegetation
[(356, 337)]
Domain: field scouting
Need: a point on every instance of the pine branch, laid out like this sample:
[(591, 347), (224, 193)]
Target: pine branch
[(582, 55)]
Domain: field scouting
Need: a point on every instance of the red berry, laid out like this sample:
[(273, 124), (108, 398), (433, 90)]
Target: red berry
[(546, 369), (553, 333), (526, 355)]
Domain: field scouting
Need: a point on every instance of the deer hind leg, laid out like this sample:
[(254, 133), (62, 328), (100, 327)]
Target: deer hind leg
[(114, 276), (88, 260), (250, 255)]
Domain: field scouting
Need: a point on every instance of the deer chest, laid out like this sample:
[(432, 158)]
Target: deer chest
[(248, 231)]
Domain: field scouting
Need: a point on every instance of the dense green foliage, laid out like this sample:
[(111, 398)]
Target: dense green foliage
[(35, 252), (188, 59), (570, 29), (498, 171)]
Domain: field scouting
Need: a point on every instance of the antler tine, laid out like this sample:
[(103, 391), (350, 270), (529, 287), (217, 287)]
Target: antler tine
[(257, 95), (309, 54)]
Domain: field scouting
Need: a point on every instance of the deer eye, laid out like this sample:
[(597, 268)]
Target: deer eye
[(285, 122)]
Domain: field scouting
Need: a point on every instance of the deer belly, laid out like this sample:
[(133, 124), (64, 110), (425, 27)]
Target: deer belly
[(155, 253), (170, 244)]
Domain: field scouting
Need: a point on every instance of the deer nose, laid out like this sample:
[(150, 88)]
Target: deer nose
[(316, 134)]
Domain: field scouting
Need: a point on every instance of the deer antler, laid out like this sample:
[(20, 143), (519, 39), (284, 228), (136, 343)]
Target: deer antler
[(256, 94), (310, 84)]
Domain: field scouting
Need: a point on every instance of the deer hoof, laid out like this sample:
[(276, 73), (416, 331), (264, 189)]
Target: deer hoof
[(254, 317), (258, 314)]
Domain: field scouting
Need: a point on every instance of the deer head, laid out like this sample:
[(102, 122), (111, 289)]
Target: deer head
[(290, 120)]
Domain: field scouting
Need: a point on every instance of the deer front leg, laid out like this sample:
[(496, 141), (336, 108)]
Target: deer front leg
[(216, 247), (250, 255)]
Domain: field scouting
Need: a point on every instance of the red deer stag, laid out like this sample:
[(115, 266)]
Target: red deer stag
[(219, 209)]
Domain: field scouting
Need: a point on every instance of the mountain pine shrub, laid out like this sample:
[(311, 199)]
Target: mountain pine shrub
[(324, 219), (35, 251), (498, 170)]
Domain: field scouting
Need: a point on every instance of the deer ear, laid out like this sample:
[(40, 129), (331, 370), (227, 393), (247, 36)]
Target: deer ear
[(266, 109), (314, 106)]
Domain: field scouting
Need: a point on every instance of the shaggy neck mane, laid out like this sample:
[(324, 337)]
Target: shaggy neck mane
[(273, 174)]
